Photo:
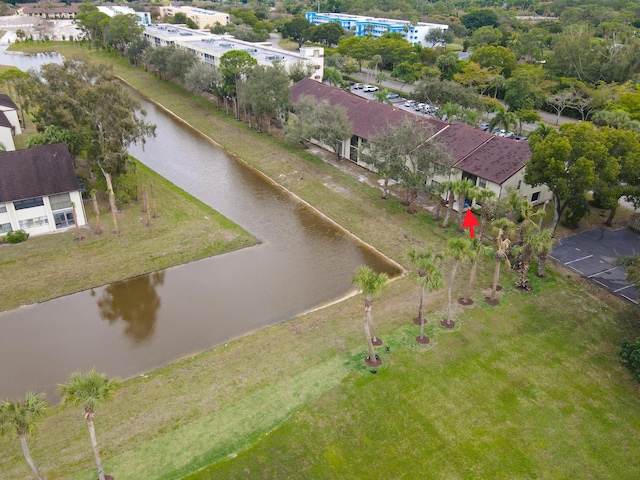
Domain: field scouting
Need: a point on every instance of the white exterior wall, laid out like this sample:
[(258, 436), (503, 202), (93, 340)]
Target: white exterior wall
[(525, 190), (202, 18), (12, 116), (209, 47), (6, 137), (14, 216)]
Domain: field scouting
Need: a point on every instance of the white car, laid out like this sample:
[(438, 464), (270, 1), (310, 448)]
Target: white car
[(370, 88)]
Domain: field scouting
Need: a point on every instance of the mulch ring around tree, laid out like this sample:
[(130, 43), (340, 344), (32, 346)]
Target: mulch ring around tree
[(493, 303), (377, 342), (416, 321), (373, 363), (465, 302), (423, 340), (448, 323)]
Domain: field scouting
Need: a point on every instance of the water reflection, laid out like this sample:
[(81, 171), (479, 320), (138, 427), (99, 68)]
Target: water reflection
[(24, 62), (135, 302)]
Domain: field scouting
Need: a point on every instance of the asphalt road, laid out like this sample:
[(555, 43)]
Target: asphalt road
[(592, 255)]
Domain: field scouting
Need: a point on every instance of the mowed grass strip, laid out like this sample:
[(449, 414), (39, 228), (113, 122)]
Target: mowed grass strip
[(527, 390), (225, 432)]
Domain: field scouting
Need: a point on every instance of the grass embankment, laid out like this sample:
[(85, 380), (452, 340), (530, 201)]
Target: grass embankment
[(48, 266), (529, 389)]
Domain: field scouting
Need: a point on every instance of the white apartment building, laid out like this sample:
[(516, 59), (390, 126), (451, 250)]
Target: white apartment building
[(209, 47), (362, 26), (144, 18)]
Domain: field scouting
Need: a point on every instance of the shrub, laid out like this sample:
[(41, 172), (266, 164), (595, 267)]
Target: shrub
[(630, 354), (17, 236)]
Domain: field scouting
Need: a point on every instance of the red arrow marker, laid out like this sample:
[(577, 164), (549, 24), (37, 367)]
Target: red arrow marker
[(470, 221)]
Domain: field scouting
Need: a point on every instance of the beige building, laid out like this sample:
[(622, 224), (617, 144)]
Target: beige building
[(201, 17)]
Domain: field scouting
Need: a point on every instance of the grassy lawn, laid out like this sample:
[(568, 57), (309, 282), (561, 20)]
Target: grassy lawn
[(529, 389)]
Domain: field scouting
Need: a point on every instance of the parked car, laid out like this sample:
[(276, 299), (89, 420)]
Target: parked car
[(358, 86), (370, 88), (484, 126), (409, 103), (418, 107), (393, 96)]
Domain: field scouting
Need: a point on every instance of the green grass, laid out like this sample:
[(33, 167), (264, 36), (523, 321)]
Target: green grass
[(530, 389)]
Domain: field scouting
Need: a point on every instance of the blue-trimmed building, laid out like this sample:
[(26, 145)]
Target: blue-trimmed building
[(362, 26)]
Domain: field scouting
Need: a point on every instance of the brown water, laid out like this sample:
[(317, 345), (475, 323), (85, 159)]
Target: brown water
[(124, 329)]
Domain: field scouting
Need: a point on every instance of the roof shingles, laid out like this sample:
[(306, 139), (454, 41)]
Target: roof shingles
[(474, 151), (36, 172)]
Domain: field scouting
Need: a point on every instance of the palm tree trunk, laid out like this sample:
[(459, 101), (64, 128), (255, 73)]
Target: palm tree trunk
[(27, 456), (385, 188), (421, 311), (153, 200), (472, 279), (438, 214), (496, 279), (367, 332), (112, 200), (612, 214), (371, 329), (96, 209), (453, 275), (460, 211), (542, 263), (94, 444), (445, 222)]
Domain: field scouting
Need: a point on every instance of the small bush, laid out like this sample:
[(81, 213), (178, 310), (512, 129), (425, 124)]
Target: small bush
[(630, 354), (17, 236)]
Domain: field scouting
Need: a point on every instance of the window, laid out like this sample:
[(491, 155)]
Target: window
[(63, 219), (482, 183), (34, 222), (535, 197), (3, 207), (28, 203), (58, 202), (5, 227), (519, 183)]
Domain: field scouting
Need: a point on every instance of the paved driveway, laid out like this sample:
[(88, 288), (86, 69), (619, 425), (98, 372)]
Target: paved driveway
[(592, 254)]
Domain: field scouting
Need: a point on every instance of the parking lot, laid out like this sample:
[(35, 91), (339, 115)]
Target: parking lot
[(592, 255)]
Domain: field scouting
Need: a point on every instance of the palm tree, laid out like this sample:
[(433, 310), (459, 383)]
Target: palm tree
[(439, 190), (370, 283), (25, 418), (504, 119), (542, 245), (448, 186), (484, 197), (499, 255), (463, 189), (456, 249), (90, 391), (475, 248), (430, 278), (382, 96)]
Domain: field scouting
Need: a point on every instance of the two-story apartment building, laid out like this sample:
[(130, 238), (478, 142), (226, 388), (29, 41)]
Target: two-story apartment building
[(491, 162), (38, 190)]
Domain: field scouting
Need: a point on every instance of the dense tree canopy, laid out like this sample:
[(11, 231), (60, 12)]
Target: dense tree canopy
[(84, 99)]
